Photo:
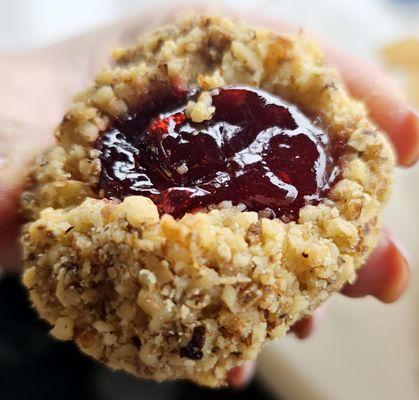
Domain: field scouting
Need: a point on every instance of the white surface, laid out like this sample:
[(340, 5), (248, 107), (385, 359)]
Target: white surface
[(363, 350)]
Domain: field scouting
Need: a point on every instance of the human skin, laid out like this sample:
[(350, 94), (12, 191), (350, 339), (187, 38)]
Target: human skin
[(36, 87)]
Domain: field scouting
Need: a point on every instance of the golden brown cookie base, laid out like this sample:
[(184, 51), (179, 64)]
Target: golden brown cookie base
[(167, 299)]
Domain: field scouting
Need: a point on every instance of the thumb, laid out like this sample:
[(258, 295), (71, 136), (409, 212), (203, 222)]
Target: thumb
[(17, 153)]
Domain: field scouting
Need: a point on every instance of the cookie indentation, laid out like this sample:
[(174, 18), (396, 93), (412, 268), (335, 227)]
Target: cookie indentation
[(255, 149)]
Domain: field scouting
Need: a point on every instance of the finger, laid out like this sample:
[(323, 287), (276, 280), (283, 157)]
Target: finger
[(9, 215), (386, 273), (12, 179), (307, 325), (304, 327), (9, 204), (239, 377), (9, 228), (10, 259), (386, 103)]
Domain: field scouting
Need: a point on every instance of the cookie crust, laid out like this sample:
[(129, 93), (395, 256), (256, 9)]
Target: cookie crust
[(191, 298)]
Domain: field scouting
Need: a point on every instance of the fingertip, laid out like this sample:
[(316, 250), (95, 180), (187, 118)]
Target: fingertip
[(9, 216), (10, 257), (239, 377), (304, 327), (9, 229), (402, 127), (384, 99), (386, 274), (396, 276), (10, 191), (409, 149)]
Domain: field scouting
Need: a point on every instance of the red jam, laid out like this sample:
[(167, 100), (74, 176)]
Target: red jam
[(257, 150)]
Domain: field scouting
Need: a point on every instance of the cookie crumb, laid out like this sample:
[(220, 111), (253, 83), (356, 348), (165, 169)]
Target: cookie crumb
[(201, 110)]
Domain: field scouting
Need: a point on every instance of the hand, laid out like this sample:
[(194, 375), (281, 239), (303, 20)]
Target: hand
[(36, 87)]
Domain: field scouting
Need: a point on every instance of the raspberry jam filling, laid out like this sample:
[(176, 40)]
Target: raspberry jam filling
[(256, 150)]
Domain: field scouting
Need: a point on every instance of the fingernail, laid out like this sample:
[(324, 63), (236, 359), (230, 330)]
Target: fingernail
[(397, 285), (412, 125), (401, 248)]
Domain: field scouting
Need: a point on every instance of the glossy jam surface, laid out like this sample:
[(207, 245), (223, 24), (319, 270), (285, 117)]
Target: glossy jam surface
[(256, 150)]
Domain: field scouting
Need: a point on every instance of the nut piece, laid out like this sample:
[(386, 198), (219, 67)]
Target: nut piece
[(29, 277), (63, 329), (140, 211), (202, 110)]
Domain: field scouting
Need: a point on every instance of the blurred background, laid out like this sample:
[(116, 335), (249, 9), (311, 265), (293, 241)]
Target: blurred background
[(362, 350)]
